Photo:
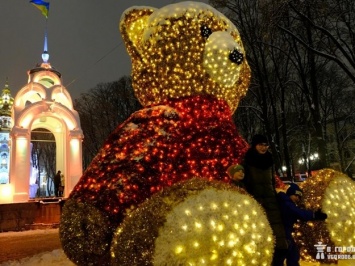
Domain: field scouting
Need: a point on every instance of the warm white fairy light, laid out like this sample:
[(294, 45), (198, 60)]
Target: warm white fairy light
[(179, 249), (198, 225)]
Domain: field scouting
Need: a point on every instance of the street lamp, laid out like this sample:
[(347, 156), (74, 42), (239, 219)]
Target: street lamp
[(313, 157), (307, 161)]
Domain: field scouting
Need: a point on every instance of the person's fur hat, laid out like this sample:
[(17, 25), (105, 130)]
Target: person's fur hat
[(294, 189), (257, 139), (234, 168)]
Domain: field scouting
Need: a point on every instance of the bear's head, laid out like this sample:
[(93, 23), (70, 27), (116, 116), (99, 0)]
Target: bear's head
[(184, 49)]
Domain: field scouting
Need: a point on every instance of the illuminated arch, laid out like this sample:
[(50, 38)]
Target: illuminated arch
[(33, 92), (60, 95), (47, 78), (48, 109), (44, 103)]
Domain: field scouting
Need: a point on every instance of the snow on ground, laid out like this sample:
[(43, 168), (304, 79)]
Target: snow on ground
[(58, 258), (17, 242), (55, 257)]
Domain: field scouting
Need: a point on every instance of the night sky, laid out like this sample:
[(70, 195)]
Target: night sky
[(84, 42)]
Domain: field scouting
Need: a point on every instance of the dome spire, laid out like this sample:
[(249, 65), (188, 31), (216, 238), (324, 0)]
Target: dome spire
[(6, 102), (45, 55), (7, 82)]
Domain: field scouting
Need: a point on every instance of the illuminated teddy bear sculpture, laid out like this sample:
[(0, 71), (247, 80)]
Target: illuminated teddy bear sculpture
[(189, 71)]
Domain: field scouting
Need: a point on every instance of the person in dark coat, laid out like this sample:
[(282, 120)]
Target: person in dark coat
[(260, 183), (57, 182), (236, 174), (290, 214)]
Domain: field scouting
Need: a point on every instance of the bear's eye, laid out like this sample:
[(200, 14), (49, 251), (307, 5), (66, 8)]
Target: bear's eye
[(205, 31), (236, 57)]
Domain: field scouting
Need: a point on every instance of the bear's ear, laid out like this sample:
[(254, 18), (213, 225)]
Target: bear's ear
[(132, 24)]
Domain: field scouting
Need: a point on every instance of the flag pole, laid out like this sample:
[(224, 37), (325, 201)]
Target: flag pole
[(44, 8), (45, 55)]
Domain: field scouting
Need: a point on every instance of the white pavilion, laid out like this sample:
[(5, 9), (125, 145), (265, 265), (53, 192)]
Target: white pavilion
[(43, 103)]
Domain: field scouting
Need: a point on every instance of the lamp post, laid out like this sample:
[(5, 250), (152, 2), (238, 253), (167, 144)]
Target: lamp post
[(308, 160)]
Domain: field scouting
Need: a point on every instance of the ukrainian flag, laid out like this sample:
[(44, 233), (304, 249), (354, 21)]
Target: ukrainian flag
[(42, 6)]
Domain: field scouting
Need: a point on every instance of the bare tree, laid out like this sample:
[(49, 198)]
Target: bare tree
[(294, 49), (101, 110), (334, 22)]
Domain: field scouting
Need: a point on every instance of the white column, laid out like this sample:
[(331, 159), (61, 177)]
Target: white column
[(20, 164), (61, 150), (74, 161)]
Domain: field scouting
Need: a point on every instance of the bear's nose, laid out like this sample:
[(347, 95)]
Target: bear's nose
[(236, 57), (205, 31)]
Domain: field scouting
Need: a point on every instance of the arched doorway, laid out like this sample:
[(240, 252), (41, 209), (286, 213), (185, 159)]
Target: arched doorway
[(43, 163)]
